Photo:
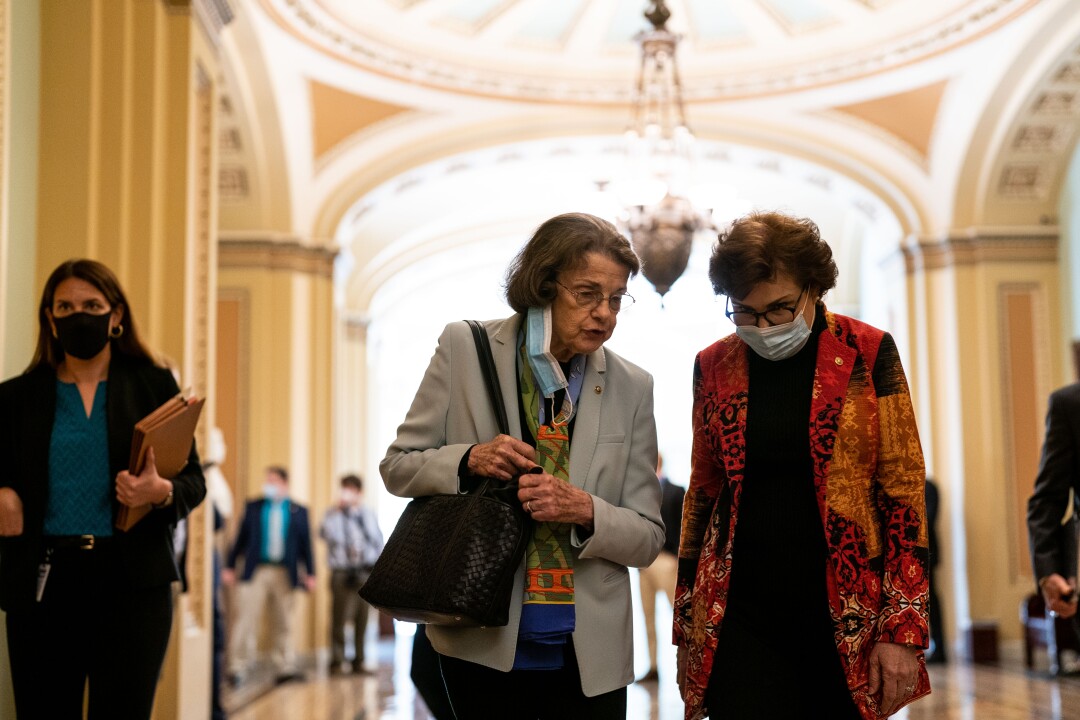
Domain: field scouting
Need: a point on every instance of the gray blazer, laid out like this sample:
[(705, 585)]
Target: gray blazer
[(612, 457)]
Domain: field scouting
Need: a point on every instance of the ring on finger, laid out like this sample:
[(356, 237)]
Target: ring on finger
[(528, 506)]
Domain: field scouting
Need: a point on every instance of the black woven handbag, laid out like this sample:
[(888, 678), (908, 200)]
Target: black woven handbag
[(451, 559)]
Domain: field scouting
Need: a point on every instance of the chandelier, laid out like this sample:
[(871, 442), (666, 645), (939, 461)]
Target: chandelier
[(660, 219)]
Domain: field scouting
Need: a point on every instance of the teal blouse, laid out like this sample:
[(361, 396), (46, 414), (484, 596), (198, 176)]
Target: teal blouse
[(80, 488)]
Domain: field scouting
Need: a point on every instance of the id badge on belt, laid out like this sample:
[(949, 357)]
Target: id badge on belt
[(43, 574)]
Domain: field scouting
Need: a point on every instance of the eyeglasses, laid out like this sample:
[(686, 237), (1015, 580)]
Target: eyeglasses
[(591, 299), (778, 315)]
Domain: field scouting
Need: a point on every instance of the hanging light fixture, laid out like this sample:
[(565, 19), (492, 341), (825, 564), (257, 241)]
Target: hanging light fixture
[(660, 219)]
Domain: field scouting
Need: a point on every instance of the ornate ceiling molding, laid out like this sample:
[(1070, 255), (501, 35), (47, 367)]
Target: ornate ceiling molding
[(1043, 136), (311, 23)]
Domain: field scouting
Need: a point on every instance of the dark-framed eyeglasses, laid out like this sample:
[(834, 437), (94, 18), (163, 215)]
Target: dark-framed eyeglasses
[(591, 299), (776, 315)]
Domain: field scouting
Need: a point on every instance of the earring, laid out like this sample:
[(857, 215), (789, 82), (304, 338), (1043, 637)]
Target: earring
[(116, 332)]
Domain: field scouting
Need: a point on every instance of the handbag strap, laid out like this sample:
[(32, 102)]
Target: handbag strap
[(491, 375)]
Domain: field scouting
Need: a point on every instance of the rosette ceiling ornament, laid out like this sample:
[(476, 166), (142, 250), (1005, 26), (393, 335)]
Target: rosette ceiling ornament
[(660, 218)]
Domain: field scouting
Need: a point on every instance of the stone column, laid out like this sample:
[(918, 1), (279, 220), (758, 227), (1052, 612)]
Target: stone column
[(127, 175), (276, 341), (989, 341)]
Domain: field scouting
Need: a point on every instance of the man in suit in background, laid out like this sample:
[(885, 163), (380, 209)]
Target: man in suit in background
[(1053, 541), (274, 539)]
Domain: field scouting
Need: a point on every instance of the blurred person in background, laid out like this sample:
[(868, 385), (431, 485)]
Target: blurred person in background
[(353, 542), (274, 540)]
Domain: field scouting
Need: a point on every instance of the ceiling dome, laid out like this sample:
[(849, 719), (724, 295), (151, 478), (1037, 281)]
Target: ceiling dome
[(584, 50)]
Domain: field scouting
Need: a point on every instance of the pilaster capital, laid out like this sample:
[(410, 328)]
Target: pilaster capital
[(269, 252), (977, 245), (213, 15)]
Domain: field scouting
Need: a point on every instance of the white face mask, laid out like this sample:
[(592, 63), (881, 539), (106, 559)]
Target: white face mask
[(350, 497), (272, 492), (777, 342)]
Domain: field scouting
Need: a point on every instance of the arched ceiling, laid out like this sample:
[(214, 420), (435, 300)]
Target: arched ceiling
[(579, 50), (349, 95)]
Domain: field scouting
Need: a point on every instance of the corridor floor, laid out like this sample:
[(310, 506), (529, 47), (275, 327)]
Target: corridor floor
[(961, 692)]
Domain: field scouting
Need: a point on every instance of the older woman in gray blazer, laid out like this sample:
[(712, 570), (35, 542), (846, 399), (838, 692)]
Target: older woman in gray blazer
[(582, 414)]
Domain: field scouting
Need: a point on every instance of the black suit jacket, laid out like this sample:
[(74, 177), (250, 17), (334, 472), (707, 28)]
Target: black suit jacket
[(27, 409), (297, 542), (1053, 546)]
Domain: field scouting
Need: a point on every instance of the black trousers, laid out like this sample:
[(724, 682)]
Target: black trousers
[(87, 629), (427, 677), (478, 692)]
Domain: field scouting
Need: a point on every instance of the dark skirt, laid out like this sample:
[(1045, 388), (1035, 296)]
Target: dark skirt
[(769, 675)]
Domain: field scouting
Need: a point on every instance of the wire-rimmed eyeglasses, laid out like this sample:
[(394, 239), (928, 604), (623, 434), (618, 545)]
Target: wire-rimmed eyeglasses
[(591, 299)]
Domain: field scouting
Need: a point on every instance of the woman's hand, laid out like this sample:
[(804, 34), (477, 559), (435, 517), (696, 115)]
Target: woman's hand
[(11, 513), (502, 458), (146, 488), (894, 671), (549, 499)]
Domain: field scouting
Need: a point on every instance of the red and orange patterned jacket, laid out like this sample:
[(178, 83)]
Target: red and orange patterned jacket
[(870, 481)]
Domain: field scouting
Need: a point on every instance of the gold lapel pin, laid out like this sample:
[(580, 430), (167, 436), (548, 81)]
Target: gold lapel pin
[(597, 390)]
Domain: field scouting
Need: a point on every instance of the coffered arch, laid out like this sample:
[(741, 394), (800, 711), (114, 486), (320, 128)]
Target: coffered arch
[(1019, 155)]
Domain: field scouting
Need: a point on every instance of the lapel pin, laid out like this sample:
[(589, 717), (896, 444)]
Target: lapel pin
[(839, 360), (597, 390)]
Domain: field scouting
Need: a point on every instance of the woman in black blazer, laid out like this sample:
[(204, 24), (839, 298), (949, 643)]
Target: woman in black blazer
[(84, 601)]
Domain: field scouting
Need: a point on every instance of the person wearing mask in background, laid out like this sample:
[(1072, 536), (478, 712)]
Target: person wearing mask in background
[(220, 494), (87, 605), (274, 540), (1052, 539), (803, 565), (353, 542), (662, 574)]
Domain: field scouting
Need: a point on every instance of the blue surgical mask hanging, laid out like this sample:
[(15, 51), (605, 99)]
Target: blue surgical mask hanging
[(545, 368)]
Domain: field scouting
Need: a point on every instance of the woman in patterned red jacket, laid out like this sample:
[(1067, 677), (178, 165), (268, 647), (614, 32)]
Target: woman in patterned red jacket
[(803, 563)]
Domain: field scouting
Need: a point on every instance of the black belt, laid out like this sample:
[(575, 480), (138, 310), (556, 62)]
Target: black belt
[(77, 542)]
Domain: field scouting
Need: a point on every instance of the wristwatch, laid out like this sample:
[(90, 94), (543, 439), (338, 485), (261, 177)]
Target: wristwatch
[(167, 501)]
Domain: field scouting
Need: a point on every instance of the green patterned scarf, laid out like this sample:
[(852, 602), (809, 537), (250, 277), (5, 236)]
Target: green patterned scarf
[(549, 570)]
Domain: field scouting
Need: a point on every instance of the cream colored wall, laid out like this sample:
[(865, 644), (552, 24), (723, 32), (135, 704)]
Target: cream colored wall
[(985, 406), (19, 57), (127, 174), (351, 380), (1069, 222), (289, 411), (18, 300)]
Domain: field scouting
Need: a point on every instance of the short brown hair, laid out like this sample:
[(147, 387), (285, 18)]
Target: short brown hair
[(280, 471), (48, 350), (352, 481), (761, 245), (560, 245)]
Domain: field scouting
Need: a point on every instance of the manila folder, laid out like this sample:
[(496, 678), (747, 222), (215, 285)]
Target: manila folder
[(170, 430)]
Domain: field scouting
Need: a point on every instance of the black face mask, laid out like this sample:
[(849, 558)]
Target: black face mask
[(83, 335)]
